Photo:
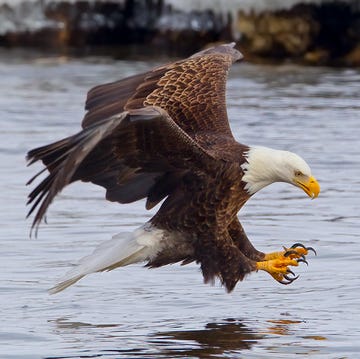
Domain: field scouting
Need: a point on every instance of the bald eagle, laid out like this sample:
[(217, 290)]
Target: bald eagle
[(164, 135)]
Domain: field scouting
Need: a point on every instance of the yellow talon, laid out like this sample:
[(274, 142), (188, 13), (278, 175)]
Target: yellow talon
[(274, 255), (278, 268), (298, 250), (278, 265)]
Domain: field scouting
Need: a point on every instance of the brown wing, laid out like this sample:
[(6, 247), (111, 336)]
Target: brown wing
[(192, 91), (136, 154)]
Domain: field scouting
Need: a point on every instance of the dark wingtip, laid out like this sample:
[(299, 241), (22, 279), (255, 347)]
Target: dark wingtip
[(32, 229)]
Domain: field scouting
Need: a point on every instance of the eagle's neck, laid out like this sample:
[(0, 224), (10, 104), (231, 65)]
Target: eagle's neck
[(262, 167)]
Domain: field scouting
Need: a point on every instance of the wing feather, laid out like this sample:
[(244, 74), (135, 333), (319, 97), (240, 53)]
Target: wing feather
[(192, 91), (126, 154)]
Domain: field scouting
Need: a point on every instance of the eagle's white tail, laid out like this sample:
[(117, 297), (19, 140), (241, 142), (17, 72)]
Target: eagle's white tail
[(140, 245)]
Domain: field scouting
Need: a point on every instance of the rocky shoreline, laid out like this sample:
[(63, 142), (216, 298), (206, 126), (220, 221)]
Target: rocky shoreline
[(319, 33)]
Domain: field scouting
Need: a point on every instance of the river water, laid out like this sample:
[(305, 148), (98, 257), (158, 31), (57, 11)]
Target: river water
[(168, 312)]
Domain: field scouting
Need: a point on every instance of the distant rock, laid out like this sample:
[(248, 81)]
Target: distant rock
[(327, 33), (314, 32)]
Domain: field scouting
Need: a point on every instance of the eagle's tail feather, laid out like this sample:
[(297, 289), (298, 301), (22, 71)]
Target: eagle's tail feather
[(140, 245)]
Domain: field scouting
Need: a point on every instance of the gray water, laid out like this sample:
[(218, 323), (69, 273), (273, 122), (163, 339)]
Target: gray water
[(168, 312)]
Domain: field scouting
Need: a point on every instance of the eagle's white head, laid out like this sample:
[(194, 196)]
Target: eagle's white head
[(264, 166)]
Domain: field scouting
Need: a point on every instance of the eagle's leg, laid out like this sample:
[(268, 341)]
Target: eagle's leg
[(240, 239)]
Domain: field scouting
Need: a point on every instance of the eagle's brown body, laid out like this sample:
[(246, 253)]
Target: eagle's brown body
[(161, 135)]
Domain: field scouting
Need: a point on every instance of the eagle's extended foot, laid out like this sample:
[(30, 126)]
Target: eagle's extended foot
[(276, 263), (278, 268)]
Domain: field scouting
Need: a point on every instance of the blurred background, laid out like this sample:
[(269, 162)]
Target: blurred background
[(325, 32)]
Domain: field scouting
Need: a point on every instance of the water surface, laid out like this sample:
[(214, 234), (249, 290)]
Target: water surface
[(168, 312)]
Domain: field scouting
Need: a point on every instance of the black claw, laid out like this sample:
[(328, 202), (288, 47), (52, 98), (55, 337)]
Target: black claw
[(288, 280), (312, 250), (283, 282), (289, 271), (302, 246), (298, 245), (303, 261), (287, 253)]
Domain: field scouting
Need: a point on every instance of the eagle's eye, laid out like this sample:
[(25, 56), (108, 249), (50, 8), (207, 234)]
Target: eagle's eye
[(298, 173)]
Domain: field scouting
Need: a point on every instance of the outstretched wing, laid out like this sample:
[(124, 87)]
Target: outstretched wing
[(192, 91), (135, 154)]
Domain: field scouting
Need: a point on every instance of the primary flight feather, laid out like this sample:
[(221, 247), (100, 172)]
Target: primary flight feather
[(165, 135)]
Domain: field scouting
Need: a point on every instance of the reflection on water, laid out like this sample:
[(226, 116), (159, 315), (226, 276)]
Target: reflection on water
[(169, 312), (281, 326), (225, 338), (215, 340)]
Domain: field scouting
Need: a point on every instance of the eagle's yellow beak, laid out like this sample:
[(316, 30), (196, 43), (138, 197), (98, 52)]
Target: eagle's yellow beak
[(310, 186)]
